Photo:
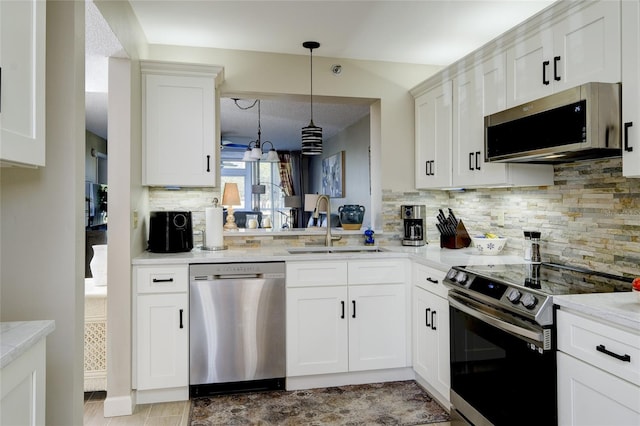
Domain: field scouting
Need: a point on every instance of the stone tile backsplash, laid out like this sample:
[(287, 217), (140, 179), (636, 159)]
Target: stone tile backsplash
[(590, 217)]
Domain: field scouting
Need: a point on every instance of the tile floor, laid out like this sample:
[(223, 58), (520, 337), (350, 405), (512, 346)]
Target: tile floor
[(166, 414)]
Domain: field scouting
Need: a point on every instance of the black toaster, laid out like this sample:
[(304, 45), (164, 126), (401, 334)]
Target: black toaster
[(170, 232)]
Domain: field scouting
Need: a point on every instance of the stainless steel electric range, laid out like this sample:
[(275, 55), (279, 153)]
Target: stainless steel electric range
[(502, 338)]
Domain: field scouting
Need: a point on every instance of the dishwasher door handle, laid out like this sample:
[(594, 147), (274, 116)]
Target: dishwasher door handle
[(237, 276)]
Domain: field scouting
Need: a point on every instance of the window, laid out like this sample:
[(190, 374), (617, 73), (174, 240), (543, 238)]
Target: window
[(271, 203)]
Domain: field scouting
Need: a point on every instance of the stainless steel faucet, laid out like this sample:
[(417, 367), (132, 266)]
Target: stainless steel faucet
[(328, 241)]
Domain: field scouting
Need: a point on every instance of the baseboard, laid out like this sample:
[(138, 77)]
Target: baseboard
[(119, 405), (162, 395), (350, 378)]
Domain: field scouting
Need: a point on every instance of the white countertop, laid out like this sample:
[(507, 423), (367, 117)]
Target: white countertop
[(430, 255), (17, 337), (92, 290), (618, 308)]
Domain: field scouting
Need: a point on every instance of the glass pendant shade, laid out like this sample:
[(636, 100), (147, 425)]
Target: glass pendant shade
[(272, 157), (312, 134), (312, 139)]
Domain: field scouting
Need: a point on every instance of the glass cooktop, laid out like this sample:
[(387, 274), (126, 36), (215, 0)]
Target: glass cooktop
[(552, 279)]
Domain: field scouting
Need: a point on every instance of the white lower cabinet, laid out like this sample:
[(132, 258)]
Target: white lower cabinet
[(337, 327), (598, 372), (431, 331), (161, 333), (317, 333)]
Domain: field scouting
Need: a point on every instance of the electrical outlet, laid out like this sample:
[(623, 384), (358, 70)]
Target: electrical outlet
[(135, 219), (500, 218)]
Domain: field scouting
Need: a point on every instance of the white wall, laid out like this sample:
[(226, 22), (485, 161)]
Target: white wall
[(354, 141), (42, 220), (252, 72)]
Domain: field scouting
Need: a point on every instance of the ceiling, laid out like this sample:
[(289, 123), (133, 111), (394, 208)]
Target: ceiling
[(434, 32)]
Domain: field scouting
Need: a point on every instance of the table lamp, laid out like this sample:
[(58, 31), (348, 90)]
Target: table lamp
[(230, 198)]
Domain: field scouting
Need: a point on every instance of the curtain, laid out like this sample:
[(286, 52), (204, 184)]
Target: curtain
[(286, 173)]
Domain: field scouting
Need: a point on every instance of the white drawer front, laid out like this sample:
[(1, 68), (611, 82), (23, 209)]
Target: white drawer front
[(430, 279), (162, 279), (378, 271), (600, 345), (314, 274)]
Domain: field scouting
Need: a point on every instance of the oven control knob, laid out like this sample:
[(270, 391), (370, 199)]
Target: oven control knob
[(452, 274), (514, 296), (529, 301), (461, 277)]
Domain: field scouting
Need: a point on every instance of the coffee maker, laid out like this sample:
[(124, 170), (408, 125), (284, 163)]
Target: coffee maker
[(413, 218)]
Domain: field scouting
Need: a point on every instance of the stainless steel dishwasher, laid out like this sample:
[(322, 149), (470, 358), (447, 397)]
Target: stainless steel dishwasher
[(237, 327)]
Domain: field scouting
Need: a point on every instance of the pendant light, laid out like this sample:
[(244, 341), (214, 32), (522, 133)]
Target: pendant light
[(312, 134)]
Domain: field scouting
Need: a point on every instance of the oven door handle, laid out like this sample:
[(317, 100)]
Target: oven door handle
[(497, 322)]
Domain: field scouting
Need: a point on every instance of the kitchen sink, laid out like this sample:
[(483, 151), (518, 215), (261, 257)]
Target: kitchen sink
[(343, 249)]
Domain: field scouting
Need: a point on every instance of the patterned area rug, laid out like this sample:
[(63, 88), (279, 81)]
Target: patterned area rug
[(392, 403)]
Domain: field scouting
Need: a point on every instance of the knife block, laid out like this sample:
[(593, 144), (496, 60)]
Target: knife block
[(458, 241)]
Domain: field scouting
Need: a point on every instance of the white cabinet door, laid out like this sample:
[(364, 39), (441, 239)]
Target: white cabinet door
[(317, 330), (588, 396), (433, 138), (22, 95), (377, 327), (587, 46), (162, 341), (479, 92), (582, 47), (179, 132), (431, 340), (631, 88)]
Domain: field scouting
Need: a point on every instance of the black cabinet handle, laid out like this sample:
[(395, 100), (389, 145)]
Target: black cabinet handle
[(544, 73), (625, 357), (431, 280), (426, 317), (163, 280), (471, 161), (433, 320), (181, 311), (354, 309), (342, 303), (556, 77), (477, 160), (426, 168), (626, 136), (208, 163)]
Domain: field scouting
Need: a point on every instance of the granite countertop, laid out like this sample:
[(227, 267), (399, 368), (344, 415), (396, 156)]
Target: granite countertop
[(618, 308), (430, 255), (17, 337)]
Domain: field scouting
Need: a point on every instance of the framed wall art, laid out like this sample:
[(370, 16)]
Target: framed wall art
[(333, 175)]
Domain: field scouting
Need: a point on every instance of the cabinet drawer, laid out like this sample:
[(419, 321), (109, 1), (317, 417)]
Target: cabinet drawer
[(314, 274), (601, 345), (162, 279), (429, 279), (377, 271)]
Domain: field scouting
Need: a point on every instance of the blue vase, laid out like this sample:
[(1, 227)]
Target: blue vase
[(351, 216)]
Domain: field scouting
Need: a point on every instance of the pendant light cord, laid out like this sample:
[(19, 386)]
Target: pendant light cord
[(311, 66)]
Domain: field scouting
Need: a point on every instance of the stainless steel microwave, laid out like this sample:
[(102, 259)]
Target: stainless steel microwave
[(576, 124)]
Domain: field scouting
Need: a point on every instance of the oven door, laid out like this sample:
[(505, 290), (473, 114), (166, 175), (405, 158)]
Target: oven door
[(500, 372)]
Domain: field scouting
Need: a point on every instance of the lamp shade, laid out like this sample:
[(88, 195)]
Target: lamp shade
[(310, 201), (231, 195), (292, 201)]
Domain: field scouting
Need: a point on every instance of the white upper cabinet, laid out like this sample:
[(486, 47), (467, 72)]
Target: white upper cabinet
[(22, 80), (180, 138), (433, 137), (631, 88), (479, 92), (582, 47)]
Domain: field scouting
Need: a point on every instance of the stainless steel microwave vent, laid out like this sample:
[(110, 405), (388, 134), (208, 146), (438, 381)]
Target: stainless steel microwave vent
[(577, 124)]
